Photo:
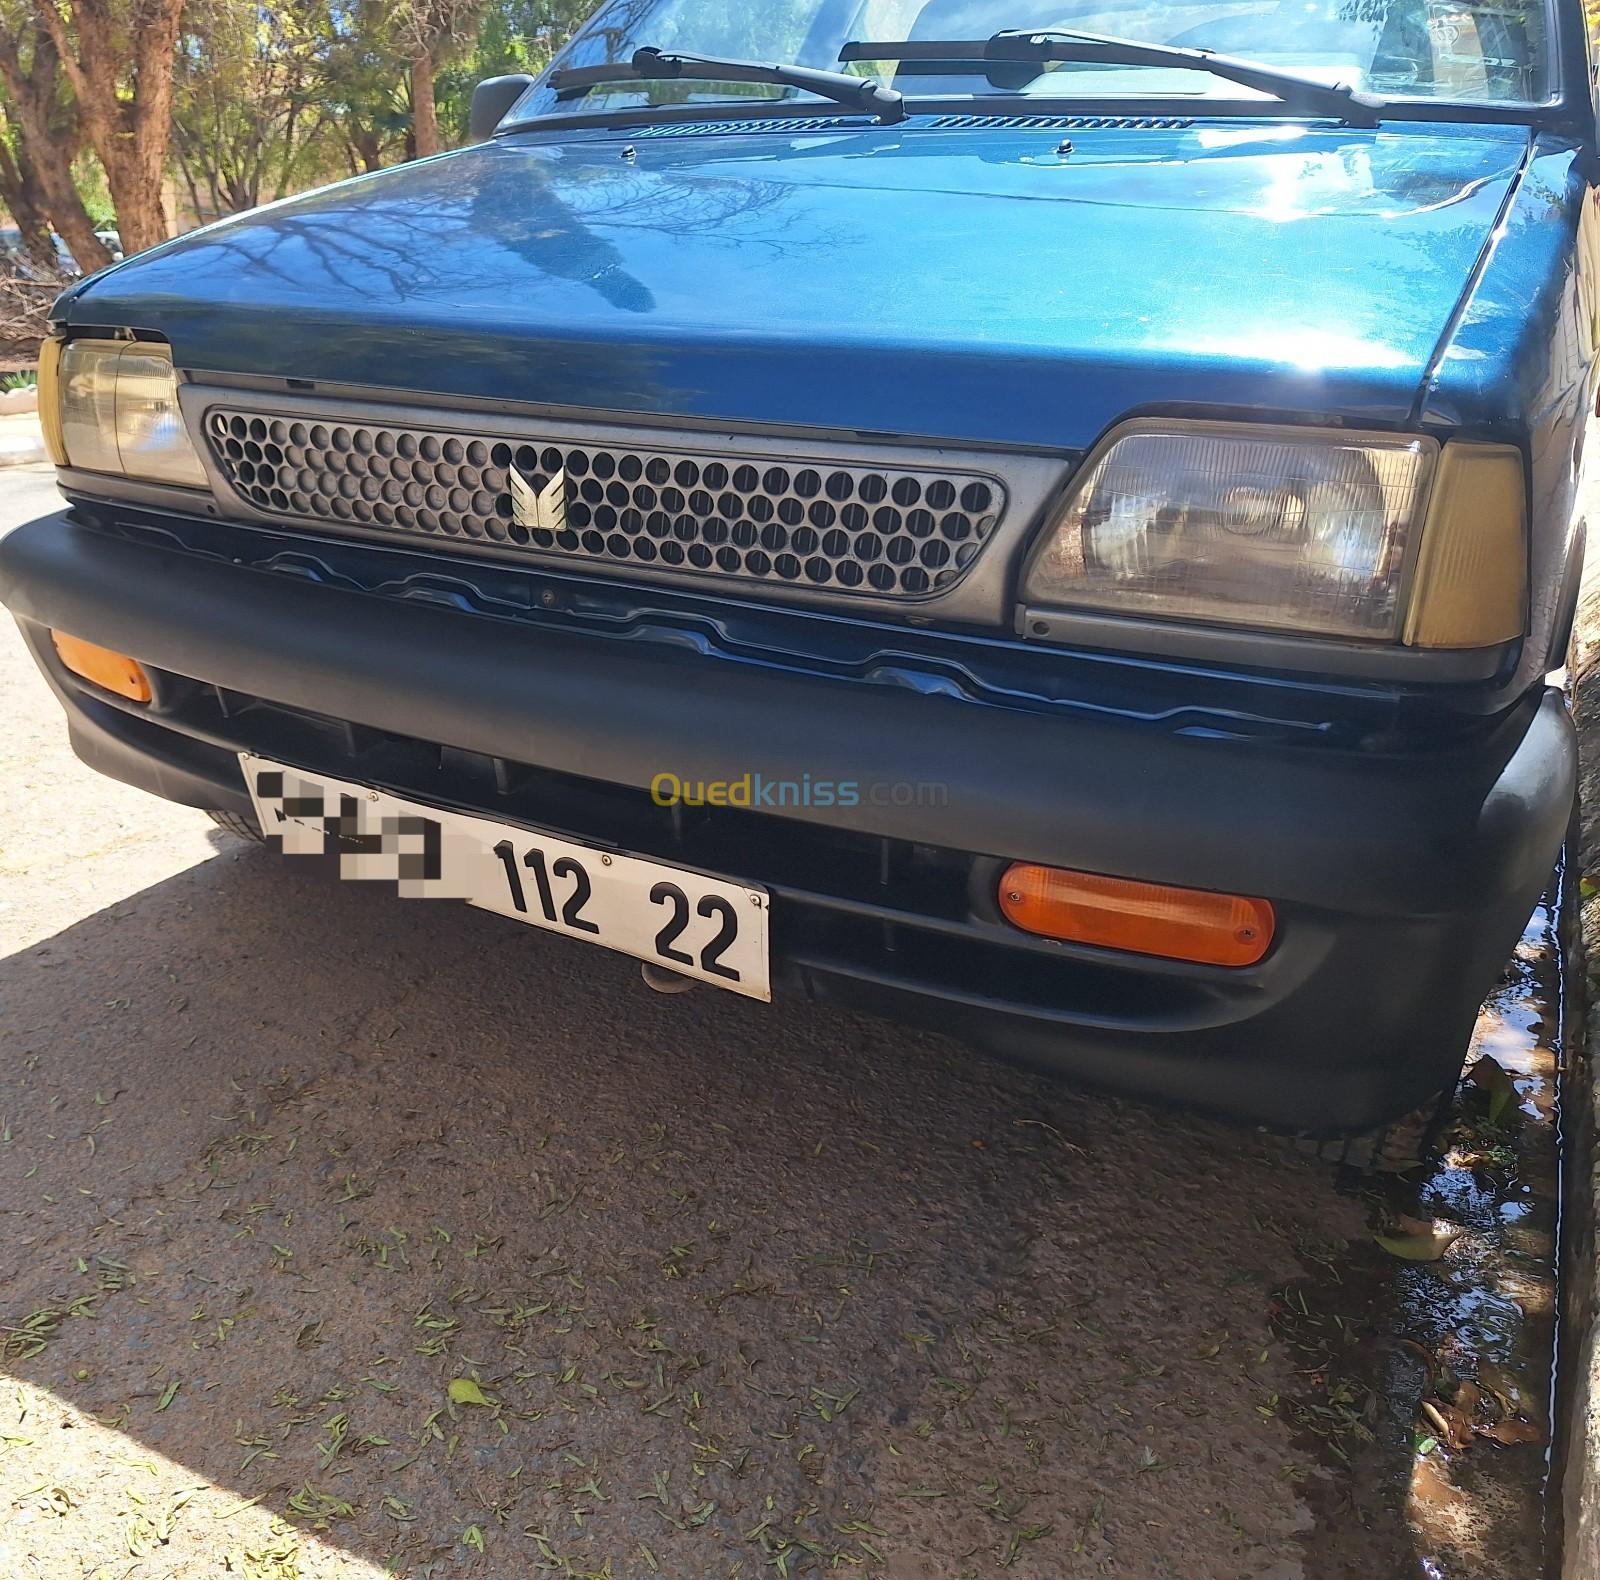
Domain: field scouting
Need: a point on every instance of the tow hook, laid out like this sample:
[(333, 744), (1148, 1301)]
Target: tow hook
[(660, 980)]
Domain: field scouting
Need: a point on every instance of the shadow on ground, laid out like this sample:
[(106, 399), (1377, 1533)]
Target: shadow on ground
[(723, 1289)]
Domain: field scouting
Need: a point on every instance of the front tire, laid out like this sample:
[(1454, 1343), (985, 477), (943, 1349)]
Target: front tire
[(1393, 1148), (241, 823)]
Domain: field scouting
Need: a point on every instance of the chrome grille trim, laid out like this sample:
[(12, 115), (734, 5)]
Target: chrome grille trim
[(840, 525)]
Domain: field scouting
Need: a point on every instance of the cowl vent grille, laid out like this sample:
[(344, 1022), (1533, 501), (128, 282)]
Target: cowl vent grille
[(842, 527), (838, 123), (1066, 123), (785, 123)]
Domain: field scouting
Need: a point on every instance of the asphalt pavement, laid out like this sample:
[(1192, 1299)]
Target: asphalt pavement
[(346, 1235)]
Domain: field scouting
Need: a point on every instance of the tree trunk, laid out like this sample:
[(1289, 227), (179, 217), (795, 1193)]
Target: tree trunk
[(49, 135), (131, 137), (424, 112), (19, 187), (366, 145), (38, 241), (67, 213), (136, 196), (190, 182)]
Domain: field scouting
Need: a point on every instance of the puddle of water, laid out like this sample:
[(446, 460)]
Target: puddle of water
[(1429, 1390), (1499, 1314)]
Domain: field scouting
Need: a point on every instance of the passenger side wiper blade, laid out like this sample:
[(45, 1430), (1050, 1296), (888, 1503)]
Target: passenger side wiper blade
[(654, 65), (1027, 46)]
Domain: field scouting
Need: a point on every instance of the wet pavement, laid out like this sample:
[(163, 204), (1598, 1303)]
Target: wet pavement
[(1432, 1379), (341, 1235)]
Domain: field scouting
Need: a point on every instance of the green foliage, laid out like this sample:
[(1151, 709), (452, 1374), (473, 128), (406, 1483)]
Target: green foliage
[(93, 192), (249, 105), (272, 100), (512, 35), (361, 77)]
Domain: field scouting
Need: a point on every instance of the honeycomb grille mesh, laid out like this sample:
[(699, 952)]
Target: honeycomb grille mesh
[(885, 531)]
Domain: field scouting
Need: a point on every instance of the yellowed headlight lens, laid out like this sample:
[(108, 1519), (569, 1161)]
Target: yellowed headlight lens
[(119, 412), (89, 404), (1471, 582), (50, 399)]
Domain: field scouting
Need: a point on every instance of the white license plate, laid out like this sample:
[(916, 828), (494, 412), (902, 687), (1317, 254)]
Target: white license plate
[(698, 926)]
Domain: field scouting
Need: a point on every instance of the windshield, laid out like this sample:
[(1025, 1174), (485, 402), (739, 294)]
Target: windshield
[(1494, 52)]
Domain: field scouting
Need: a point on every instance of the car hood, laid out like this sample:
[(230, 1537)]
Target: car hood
[(989, 284)]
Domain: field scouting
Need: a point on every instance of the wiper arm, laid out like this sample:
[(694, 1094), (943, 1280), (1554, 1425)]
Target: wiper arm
[(654, 65), (1029, 46)]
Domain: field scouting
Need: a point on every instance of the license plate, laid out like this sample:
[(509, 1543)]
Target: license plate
[(698, 926)]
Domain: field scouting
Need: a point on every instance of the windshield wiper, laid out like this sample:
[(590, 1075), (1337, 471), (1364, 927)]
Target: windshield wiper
[(1029, 47), (655, 65)]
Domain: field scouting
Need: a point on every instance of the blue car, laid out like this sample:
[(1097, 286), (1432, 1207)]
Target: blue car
[(1048, 522)]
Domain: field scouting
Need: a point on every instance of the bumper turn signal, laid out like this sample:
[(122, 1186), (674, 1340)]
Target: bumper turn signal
[(115, 671), (1143, 918)]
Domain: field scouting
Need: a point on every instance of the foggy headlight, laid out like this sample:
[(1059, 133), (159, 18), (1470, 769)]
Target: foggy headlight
[(112, 406), (1310, 532)]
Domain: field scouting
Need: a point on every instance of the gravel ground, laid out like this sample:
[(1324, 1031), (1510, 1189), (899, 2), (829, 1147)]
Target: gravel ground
[(341, 1235)]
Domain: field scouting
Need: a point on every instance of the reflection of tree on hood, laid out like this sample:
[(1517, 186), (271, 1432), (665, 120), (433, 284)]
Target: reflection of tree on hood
[(522, 213)]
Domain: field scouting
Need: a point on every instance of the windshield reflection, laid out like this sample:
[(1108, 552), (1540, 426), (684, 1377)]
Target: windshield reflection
[(1455, 50)]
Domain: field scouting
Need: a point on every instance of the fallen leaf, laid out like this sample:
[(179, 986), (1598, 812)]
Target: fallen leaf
[(1505, 1388), (463, 1390), (1490, 1078), (1429, 1362), (1425, 1242), (1511, 1431), (1451, 1425), (1413, 1225)]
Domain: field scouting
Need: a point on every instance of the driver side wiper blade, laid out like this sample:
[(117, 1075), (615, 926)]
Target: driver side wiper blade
[(1026, 47), (656, 65)]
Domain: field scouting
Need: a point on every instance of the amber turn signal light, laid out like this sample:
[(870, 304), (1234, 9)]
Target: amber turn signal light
[(1144, 918), (115, 671)]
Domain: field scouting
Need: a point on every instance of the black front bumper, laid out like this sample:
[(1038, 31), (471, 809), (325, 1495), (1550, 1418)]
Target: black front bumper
[(1401, 878)]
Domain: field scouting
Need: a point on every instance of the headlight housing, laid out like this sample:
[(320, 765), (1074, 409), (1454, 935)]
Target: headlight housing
[(112, 406), (1382, 539), (1292, 530)]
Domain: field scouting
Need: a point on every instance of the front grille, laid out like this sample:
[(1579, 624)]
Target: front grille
[(841, 527)]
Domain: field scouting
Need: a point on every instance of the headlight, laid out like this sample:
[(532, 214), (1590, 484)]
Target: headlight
[(112, 406), (1301, 531)]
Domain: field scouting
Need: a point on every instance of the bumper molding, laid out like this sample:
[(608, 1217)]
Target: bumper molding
[(1402, 879)]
